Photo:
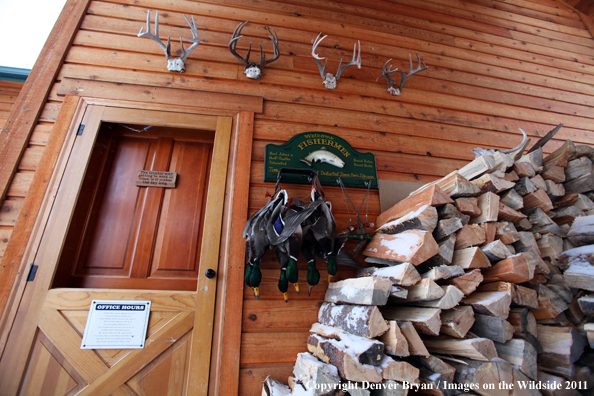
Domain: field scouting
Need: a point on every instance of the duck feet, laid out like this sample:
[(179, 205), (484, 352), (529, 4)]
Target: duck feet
[(256, 292), (309, 287), (296, 286), (286, 296)]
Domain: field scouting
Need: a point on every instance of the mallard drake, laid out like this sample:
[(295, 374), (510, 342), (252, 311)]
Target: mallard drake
[(309, 246), (323, 228), (257, 240)]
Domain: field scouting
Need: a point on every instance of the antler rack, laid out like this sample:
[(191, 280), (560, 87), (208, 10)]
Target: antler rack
[(173, 64), (387, 74), (329, 80), (253, 70)]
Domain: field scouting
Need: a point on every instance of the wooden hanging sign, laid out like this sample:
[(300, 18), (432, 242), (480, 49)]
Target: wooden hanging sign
[(329, 155), (147, 178)]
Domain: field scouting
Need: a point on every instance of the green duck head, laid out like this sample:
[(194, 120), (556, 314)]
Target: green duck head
[(313, 275), (332, 268), (283, 284), (293, 273), (253, 277)]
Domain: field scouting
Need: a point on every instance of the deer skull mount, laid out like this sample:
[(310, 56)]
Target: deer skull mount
[(252, 69), (387, 74), (173, 64), (330, 80)]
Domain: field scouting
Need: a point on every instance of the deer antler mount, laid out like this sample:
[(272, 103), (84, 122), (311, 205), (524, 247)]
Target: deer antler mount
[(252, 69), (330, 80), (387, 74), (173, 64)]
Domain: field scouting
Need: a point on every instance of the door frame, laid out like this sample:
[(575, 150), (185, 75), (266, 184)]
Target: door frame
[(220, 244)]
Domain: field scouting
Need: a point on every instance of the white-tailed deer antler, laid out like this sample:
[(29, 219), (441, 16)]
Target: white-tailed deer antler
[(253, 70), (387, 74), (329, 80), (173, 64)]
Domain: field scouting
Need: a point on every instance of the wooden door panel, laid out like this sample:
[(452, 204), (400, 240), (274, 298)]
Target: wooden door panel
[(180, 228), (59, 367)]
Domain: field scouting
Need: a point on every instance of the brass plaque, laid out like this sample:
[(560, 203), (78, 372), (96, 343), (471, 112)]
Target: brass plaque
[(156, 179)]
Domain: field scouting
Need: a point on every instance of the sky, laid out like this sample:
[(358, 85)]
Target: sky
[(24, 27)]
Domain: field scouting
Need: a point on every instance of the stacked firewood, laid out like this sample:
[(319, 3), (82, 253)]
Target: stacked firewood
[(478, 283)]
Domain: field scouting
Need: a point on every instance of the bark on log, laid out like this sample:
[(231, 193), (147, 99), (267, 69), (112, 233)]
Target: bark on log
[(369, 290), (364, 321)]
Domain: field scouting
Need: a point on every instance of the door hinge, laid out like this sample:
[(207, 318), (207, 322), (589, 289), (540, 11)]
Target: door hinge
[(81, 128), (32, 273)]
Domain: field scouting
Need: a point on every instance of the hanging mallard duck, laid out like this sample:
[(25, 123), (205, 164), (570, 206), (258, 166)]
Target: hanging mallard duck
[(290, 226)]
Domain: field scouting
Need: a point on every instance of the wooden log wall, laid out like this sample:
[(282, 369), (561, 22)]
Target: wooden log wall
[(494, 67)]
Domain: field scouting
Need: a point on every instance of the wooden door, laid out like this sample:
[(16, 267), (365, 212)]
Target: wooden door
[(42, 354), (130, 237)]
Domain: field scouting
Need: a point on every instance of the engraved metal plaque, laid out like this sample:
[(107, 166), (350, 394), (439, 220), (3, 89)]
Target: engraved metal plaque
[(156, 179)]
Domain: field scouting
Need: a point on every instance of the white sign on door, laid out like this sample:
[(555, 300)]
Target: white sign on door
[(116, 324)]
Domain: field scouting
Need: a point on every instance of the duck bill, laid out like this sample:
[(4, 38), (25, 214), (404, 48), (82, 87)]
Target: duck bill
[(286, 296), (296, 285), (256, 292), (309, 287)]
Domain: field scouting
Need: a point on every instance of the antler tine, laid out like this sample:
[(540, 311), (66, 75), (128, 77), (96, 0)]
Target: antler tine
[(233, 44), (353, 62), (154, 37), (274, 39), (317, 42), (386, 73), (195, 40), (411, 72)]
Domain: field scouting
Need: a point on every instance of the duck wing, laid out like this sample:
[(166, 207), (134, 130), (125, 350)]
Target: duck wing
[(273, 203), (291, 220)]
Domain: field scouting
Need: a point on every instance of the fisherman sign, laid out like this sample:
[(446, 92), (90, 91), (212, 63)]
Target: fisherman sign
[(329, 155)]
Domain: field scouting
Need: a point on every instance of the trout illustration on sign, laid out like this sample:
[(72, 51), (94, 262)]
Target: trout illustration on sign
[(323, 155)]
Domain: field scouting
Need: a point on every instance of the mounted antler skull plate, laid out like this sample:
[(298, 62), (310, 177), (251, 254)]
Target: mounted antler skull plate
[(330, 80), (387, 74), (173, 64), (252, 69)]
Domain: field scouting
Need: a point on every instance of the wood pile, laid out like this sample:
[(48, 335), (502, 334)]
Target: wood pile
[(481, 282)]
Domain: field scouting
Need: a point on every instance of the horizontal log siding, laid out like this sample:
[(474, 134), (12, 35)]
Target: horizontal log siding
[(494, 67)]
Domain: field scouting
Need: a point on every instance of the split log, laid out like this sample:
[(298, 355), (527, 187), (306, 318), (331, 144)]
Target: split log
[(489, 206), (369, 290), (577, 168), (446, 227), (538, 217), (456, 186), (425, 320), (526, 241), (562, 346), (495, 251), (491, 183), (475, 348), (554, 190), (432, 384), (425, 290), (469, 258), (502, 160), (511, 176), (513, 269), (520, 353), (492, 327), (523, 225), (582, 184), (399, 370), (404, 274), (580, 275), (550, 246), (366, 350), (482, 375), (443, 272), (415, 344), (312, 374), (574, 313), (409, 246), (524, 169), (586, 304), (567, 150), (424, 218), (478, 166), (524, 323), (398, 292), (584, 203), (538, 199), (468, 206), (539, 182), (554, 173), (457, 321), (451, 298), (553, 385), (470, 235), (567, 214), (524, 186), (446, 252), (508, 214), (334, 353), (589, 329), (468, 282), (364, 321), (525, 297), (490, 231), (512, 199), (582, 231), (271, 387), (567, 200), (550, 305), (449, 211), (489, 303), (394, 341), (432, 196), (435, 364), (506, 232), (523, 385)]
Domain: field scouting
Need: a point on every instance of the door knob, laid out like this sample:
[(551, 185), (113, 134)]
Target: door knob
[(210, 273)]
